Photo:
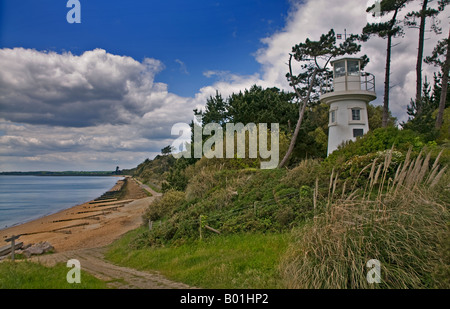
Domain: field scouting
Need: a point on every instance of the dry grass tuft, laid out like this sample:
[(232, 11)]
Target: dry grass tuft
[(399, 222)]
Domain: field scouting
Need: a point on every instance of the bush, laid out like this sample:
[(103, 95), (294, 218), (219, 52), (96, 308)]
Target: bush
[(405, 227), (379, 140), (163, 206)]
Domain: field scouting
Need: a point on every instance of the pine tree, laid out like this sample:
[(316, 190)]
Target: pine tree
[(315, 57), (441, 58), (386, 30), (410, 21)]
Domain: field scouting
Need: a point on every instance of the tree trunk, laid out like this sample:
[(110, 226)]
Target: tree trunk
[(420, 55), (386, 83), (302, 110), (445, 69)]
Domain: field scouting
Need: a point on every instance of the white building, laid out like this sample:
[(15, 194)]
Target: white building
[(348, 98)]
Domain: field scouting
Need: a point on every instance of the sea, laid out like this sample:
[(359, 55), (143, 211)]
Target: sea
[(25, 198)]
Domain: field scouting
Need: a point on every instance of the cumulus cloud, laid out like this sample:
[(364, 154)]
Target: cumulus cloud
[(83, 107), (63, 89)]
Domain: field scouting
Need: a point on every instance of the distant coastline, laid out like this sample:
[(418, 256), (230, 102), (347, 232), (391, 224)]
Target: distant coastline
[(66, 173), (28, 197)]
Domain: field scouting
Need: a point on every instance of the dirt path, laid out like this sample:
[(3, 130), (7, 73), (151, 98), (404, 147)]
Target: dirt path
[(83, 232), (92, 260), (148, 189)]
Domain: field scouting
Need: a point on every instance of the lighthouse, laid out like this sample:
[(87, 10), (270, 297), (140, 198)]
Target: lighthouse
[(348, 97)]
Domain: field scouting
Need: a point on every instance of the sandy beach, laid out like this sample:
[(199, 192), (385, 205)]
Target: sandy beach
[(89, 225)]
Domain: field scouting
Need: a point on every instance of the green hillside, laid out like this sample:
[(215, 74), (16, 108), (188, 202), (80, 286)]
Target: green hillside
[(329, 217)]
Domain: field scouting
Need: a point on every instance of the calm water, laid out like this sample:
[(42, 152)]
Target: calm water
[(24, 198)]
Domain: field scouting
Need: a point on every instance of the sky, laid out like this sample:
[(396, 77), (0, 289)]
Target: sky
[(106, 92)]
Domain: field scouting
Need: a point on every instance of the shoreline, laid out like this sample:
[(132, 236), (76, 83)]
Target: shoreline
[(91, 224), (57, 211)]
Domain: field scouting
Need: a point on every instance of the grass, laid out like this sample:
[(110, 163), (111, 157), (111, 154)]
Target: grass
[(401, 222), (393, 211), (153, 187), (239, 261), (28, 275)]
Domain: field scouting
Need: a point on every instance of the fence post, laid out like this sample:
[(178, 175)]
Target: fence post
[(12, 239), (200, 226), (13, 249)]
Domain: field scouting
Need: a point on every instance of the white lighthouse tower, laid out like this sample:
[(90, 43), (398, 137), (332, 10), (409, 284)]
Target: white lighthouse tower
[(348, 98)]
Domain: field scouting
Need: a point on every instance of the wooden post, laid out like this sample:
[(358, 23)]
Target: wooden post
[(200, 227), (12, 239), (150, 225), (13, 249), (212, 230)]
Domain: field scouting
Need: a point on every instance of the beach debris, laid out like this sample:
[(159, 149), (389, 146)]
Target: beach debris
[(38, 249), (7, 249)]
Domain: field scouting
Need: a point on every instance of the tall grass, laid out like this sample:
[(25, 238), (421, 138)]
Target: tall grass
[(400, 221)]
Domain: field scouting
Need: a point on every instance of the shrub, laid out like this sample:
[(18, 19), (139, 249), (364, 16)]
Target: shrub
[(379, 140), (405, 227), (163, 206)]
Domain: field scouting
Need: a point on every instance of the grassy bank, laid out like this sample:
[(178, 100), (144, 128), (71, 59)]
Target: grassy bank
[(314, 226), (28, 275), (223, 262)]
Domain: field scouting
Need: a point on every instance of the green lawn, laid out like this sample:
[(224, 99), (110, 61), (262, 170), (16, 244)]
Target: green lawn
[(28, 275), (240, 261)]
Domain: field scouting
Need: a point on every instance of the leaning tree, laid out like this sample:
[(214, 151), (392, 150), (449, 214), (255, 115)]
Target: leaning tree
[(314, 57)]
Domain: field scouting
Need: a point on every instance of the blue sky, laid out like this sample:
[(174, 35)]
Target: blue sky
[(189, 37), (107, 92)]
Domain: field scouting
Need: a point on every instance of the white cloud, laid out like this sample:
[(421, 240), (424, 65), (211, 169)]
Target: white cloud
[(83, 108), (67, 90), (183, 68)]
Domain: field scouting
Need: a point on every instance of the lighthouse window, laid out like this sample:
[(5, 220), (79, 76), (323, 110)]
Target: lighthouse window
[(333, 116), (358, 132), (356, 114), (339, 69), (353, 67)]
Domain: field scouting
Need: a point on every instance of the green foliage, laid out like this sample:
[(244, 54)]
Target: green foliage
[(164, 206), (375, 115), (379, 140), (239, 261), (28, 275), (406, 229), (176, 178), (422, 114), (167, 150), (444, 132), (388, 28), (256, 105), (154, 171), (259, 202)]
